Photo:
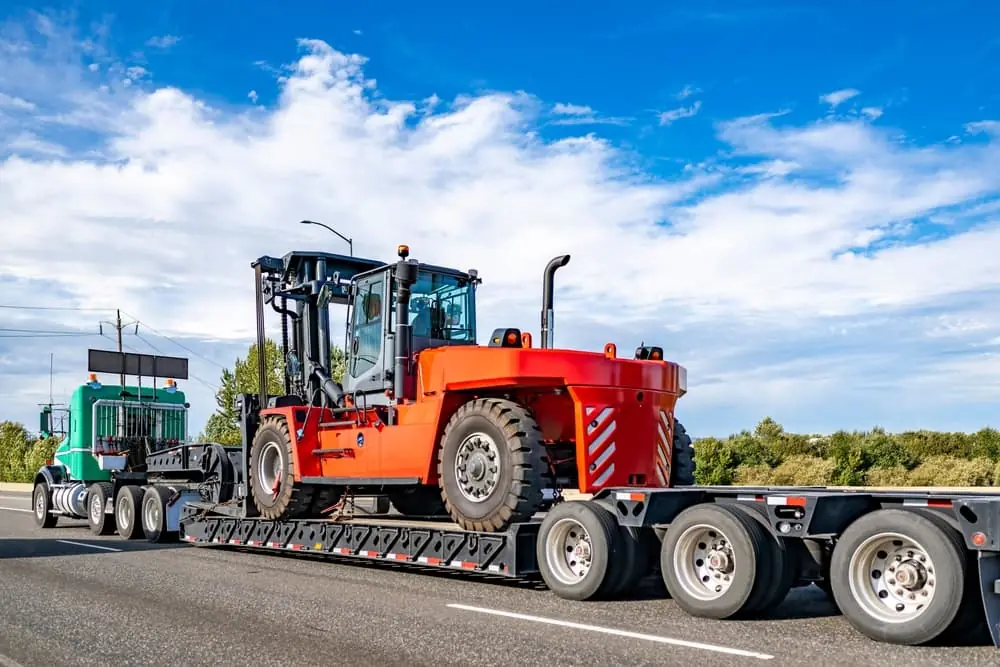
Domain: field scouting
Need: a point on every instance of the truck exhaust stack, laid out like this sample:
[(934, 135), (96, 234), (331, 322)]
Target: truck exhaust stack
[(548, 282)]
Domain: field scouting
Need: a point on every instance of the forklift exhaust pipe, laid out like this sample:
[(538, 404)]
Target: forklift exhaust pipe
[(548, 285)]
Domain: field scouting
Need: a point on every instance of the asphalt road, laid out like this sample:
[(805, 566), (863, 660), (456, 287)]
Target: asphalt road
[(69, 598)]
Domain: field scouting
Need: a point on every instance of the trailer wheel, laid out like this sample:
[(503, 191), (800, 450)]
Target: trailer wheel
[(577, 548), (272, 482), (154, 515), (127, 519), (898, 577), (783, 562), (716, 561), (101, 523), (682, 466), (418, 501), (41, 502), (490, 465)]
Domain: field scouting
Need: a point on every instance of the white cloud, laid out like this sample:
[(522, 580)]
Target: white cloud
[(669, 117), (686, 92), (572, 109), (748, 273), (838, 97), (162, 41), (873, 113), (13, 102), (984, 127), (253, 96), (578, 114)]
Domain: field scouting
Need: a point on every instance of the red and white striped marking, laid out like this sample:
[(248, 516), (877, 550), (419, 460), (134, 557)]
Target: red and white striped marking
[(401, 557), (600, 428), (749, 498), (429, 560), (926, 502), (464, 564), (663, 447), (343, 551), (368, 554), (630, 496), (235, 541), (787, 501), (294, 547)]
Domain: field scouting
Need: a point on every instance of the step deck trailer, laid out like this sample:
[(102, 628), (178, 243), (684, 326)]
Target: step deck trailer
[(903, 567)]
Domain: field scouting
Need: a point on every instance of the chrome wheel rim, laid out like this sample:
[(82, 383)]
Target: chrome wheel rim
[(96, 509), (151, 514), (892, 577), (569, 551), (40, 503), (124, 514), (477, 467), (704, 562), (270, 466)]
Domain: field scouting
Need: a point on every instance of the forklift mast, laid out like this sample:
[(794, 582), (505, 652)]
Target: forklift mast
[(380, 339)]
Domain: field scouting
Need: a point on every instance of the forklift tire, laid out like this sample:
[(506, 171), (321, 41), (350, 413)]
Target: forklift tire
[(127, 518), (682, 467), (100, 521), (418, 501), (490, 465), (272, 482)]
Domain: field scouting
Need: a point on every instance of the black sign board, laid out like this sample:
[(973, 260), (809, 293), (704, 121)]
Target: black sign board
[(143, 365)]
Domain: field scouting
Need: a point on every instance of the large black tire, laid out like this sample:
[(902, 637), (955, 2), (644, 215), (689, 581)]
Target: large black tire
[(944, 600), (682, 466), (499, 439), (418, 501), (272, 447), (100, 521), (154, 515), (746, 547), (128, 522), (579, 551), (41, 506)]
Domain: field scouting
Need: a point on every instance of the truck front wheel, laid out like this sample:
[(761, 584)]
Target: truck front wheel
[(41, 503)]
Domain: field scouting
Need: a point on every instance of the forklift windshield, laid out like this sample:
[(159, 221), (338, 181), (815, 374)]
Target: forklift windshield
[(442, 307)]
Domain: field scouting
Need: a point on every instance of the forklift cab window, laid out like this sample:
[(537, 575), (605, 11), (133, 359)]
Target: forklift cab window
[(367, 327), (442, 307)]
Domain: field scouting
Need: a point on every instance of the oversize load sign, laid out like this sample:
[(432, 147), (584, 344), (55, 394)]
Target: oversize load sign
[(144, 365)]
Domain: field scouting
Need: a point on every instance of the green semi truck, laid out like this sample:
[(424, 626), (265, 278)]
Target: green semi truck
[(126, 454)]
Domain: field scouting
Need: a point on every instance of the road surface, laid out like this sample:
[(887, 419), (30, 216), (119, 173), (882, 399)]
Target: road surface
[(70, 598)]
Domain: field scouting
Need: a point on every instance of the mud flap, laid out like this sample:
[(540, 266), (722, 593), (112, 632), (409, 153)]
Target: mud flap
[(989, 584)]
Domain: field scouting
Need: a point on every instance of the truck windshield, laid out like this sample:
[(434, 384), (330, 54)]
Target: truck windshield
[(442, 307)]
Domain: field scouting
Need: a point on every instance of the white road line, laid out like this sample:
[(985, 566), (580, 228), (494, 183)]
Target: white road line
[(14, 498), (620, 633), (92, 546), (15, 509)]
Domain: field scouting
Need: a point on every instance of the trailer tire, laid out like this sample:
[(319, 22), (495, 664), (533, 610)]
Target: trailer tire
[(485, 431), (865, 553), (682, 465), (101, 522), (588, 532), (271, 454), (783, 562), (154, 515), (418, 501), (730, 536), (41, 505), (127, 513)]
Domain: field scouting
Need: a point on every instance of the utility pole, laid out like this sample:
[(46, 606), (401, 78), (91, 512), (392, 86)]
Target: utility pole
[(117, 324)]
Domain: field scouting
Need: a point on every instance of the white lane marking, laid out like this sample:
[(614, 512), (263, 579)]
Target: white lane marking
[(620, 633), (8, 662), (24, 497), (15, 509), (92, 546)]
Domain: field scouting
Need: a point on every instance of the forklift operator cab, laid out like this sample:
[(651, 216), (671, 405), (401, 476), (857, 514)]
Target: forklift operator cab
[(442, 311)]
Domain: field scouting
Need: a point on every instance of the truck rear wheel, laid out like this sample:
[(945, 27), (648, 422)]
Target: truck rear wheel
[(41, 503), (490, 465), (898, 576), (154, 515), (127, 520), (101, 523), (272, 481), (716, 561), (578, 550)]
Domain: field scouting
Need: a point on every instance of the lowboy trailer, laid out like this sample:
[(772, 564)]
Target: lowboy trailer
[(903, 567)]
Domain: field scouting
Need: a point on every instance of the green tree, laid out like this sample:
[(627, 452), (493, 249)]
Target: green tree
[(223, 425), (21, 454)]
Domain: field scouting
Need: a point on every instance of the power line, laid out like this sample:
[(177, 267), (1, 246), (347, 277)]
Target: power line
[(64, 332), (178, 344), (158, 351)]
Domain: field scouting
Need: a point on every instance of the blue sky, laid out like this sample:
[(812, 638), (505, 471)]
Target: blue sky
[(798, 200)]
